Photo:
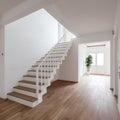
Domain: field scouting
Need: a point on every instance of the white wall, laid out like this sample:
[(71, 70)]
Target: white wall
[(118, 72), (2, 81), (69, 69), (117, 51), (26, 41)]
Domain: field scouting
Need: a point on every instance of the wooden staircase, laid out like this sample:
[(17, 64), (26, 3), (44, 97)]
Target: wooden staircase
[(31, 88)]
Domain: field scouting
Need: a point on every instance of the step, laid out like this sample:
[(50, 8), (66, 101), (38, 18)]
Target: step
[(61, 46), (58, 50), (40, 71), (53, 56), (34, 76), (63, 43), (47, 74), (48, 61), (58, 53), (24, 99), (55, 48), (26, 89), (22, 96), (35, 67), (32, 84), (45, 66), (29, 82)]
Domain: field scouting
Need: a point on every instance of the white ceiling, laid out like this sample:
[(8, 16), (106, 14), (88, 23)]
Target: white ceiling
[(6, 5), (79, 16), (98, 43), (84, 16)]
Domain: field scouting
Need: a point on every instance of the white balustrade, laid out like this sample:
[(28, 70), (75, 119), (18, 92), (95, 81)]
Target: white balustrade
[(50, 63)]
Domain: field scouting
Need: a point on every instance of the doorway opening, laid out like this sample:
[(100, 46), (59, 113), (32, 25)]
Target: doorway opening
[(100, 52)]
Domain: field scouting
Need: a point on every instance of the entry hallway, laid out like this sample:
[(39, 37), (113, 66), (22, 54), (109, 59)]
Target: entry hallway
[(90, 99)]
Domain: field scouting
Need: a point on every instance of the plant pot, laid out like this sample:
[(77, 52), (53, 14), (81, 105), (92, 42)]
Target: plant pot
[(88, 71)]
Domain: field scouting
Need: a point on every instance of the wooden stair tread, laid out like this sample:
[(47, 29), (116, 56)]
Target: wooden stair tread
[(26, 89), (49, 61), (39, 71), (54, 50), (22, 96), (57, 53), (45, 66), (28, 82), (34, 76), (54, 57)]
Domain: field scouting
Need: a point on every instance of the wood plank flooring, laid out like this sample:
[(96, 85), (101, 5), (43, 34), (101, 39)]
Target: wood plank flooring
[(90, 99)]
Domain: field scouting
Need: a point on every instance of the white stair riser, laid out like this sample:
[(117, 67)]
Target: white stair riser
[(24, 102)]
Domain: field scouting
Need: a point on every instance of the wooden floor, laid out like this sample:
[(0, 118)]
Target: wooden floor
[(90, 99)]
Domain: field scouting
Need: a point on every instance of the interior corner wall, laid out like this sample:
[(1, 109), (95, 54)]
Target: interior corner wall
[(82, 52), (118, 69), (26, 41), (114, 63), (69, 69), (2, 81), (117, 51), (117, 42)]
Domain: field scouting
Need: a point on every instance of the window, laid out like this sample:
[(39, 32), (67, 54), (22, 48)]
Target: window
[(94, 58), (100, 59)]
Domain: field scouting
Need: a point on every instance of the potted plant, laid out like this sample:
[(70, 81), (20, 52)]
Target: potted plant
[(88, 62)]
